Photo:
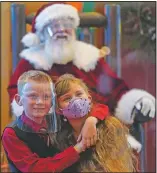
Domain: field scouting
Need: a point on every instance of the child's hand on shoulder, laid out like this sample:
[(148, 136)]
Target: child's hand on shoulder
[(88, 133)]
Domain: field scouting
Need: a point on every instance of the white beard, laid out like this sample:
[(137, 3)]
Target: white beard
[(59, 51)]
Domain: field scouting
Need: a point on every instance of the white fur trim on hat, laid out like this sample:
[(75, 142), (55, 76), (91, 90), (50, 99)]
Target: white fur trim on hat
[(30, 40), (56, 11), (16, 109), (127, 103)]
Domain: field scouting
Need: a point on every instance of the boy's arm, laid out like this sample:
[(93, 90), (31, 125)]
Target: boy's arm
[(27, 161)]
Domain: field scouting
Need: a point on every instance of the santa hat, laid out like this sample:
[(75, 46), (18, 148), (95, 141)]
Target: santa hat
[(44, 16)]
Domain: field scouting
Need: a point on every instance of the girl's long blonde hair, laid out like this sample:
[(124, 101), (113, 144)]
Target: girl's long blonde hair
[(112, 151)]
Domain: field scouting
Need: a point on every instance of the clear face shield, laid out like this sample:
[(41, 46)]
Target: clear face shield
[(59, 30), (38, 101)]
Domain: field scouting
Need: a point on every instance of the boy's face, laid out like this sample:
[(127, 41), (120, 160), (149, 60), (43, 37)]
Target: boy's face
[(36, 99), (75, 91)]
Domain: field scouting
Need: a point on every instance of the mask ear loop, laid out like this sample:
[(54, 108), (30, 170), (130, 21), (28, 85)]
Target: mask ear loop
[(63, 117)]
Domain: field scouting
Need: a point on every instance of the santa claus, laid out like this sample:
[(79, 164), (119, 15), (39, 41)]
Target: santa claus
[(52, 47)]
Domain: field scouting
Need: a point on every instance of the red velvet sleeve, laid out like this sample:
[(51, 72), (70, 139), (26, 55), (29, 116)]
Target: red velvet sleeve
[(22, 67), (26, 161), (100, 111)]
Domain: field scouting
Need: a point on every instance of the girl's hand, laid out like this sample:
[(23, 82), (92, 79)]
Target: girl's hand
[(88, 133)]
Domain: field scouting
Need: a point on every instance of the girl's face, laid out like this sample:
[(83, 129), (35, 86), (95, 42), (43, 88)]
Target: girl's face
[(75, 91), (36, 99)]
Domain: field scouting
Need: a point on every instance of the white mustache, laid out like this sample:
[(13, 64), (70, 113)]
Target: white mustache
[(60, 35)]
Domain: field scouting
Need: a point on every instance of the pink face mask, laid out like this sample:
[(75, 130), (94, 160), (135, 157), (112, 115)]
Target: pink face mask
[(77, 108)]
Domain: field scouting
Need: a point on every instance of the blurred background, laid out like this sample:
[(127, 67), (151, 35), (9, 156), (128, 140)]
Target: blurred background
[(131, 36)]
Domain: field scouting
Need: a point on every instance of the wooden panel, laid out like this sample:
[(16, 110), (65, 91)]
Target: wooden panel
[(99, 32), (5, 63), (32, 7)]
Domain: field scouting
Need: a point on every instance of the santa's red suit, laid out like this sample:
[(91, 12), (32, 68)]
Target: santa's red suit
[(85, 63)]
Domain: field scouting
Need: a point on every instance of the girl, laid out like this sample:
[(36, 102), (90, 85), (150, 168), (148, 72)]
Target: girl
[(111, 153)]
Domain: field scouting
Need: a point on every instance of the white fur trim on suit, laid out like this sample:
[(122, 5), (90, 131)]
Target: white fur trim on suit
[(85, 57), (127, 103), (30, 40), (56, 11), (16, 109), (133, 143), (36, 56)]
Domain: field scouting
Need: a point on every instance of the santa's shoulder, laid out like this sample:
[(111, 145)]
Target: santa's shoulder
[(37, 57), (87, 55)]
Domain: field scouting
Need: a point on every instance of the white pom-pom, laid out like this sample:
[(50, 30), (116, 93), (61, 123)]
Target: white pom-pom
[(30, 40)]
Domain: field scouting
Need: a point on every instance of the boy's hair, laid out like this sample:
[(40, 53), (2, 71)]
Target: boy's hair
[(62, 85), (32, 75)]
